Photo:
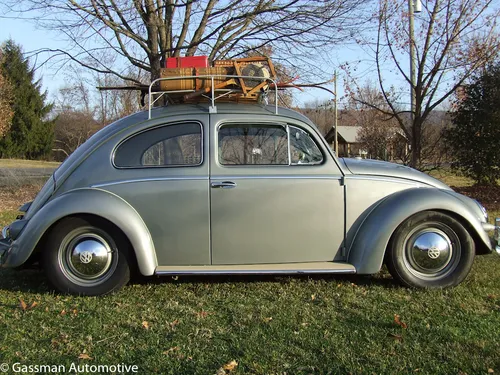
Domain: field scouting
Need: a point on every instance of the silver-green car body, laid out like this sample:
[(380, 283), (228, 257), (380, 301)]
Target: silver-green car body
[(210, 216)]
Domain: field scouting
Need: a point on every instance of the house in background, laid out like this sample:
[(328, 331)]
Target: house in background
[(350, 144), (347, 136)]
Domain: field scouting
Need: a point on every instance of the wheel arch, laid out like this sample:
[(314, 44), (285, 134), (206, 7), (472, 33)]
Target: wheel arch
[(91, 202), (92, 218), (369, 244)]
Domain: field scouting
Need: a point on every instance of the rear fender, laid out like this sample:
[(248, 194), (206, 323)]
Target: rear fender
[(373, 234), (87, 201)]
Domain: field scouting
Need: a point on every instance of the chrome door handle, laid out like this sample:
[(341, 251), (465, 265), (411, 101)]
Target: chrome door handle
[(223, 185)]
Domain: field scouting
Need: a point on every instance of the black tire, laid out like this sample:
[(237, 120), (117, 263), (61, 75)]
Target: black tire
[(430, 250), (87, 257)]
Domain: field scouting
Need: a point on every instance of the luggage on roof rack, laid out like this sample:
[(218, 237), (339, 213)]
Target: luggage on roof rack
[(243, 79), (239, 80)]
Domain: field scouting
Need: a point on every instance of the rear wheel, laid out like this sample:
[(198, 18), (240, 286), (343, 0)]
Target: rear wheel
[(86, 257), (430, 250)]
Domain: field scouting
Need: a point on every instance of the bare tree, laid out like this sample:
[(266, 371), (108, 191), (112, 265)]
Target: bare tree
[(321, 113), (145, 32), (82, 109), (382, 135), (72, 128), (115, 104), (452, 40), (379, 134), (75, 121)]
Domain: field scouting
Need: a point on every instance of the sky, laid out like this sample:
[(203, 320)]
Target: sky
[(31, 38), (25, 34)]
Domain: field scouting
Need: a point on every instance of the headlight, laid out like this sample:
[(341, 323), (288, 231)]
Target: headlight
[(483, 210)]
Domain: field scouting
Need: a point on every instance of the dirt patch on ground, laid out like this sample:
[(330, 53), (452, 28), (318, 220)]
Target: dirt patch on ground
[(489, 196), (12, 198)]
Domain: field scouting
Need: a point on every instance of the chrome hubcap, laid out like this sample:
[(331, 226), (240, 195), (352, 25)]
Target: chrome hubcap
[(431, 252), (87, 258)]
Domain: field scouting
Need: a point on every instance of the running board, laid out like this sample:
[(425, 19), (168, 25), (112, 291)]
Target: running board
[(259, 269)]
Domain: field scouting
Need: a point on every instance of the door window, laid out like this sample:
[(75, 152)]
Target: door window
[(267, 145), (253, 144), (303, 150), (169, 145)]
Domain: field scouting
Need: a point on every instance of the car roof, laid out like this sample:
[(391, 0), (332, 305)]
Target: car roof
[(228, 108)]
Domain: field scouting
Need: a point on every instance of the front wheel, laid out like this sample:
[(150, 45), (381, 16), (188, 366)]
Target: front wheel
[(86, 257), (430, 250)]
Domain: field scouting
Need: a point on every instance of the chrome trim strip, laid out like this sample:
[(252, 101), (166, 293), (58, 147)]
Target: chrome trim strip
[(274, 177), (186, 178), (289, 145), (402, 180), (258, 272), (487, 227), (149, 179), (5, 232)]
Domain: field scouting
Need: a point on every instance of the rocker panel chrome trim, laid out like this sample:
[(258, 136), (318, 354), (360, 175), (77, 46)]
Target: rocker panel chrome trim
[(260, 269)]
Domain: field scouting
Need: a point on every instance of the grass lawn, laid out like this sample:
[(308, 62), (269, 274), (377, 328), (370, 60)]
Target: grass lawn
[(268, 325), (21, 163)]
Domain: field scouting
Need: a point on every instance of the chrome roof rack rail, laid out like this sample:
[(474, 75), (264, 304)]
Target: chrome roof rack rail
[(223, 91)]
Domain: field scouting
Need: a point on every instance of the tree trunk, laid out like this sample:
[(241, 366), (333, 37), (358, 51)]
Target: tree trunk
[(155, 62), (416, 146)]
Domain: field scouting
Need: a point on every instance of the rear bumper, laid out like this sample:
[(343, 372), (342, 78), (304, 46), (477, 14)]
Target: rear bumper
[(5, 244), (496, 236), (4, 248)]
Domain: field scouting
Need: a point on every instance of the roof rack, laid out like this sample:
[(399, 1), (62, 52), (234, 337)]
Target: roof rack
[(220, 86)]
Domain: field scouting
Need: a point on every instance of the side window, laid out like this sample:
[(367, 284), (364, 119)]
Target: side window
[(303, 150), (169, 145), (253, 145)]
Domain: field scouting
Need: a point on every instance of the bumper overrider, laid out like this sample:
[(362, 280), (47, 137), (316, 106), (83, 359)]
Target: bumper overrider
[(496, 236), (5, 243)]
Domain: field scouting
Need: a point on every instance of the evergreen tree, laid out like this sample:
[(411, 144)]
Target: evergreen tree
[(475, 136), (5, 105), (31, 134)]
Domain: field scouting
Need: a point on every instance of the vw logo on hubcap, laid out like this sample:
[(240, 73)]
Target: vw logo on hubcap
[(86, 257), (433, 253)]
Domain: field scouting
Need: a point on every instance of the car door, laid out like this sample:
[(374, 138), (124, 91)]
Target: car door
[(163, 171), (275, 195)]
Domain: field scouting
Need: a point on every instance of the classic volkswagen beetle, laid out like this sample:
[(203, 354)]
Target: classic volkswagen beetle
[(243, 189)]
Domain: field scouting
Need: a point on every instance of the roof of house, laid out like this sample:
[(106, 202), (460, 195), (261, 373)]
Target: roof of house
[(348, 134)]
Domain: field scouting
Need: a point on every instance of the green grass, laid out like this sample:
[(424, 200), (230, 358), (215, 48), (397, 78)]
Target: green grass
[(319, 325), (269, 325), (7, 217), (21, 163)]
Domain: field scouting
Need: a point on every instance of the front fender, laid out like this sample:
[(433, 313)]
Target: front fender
[(372, 236), (86, 201)]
